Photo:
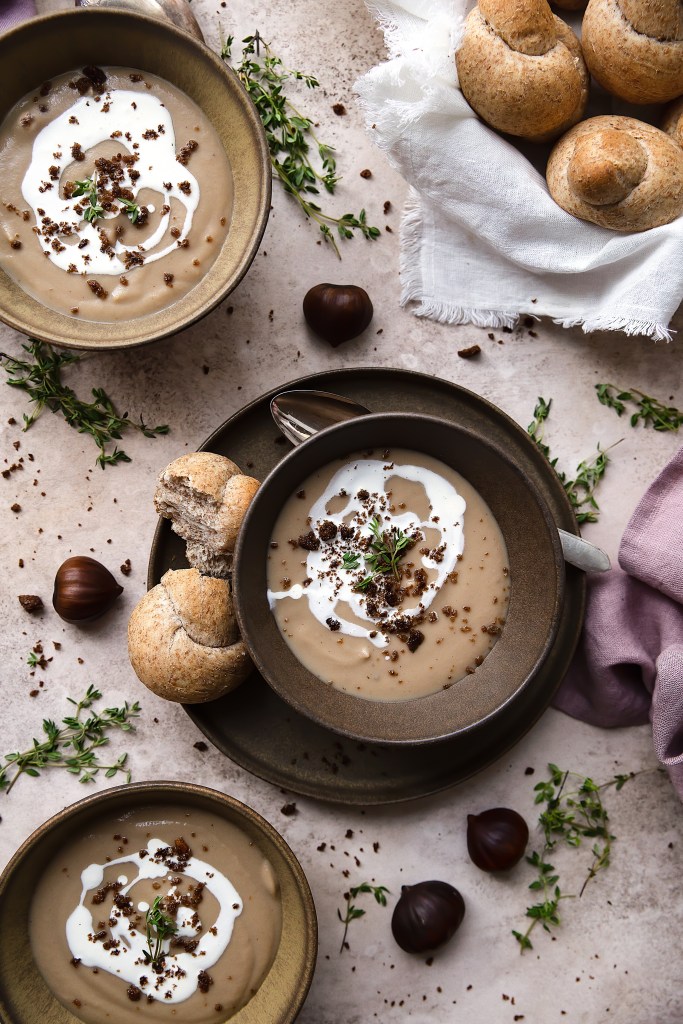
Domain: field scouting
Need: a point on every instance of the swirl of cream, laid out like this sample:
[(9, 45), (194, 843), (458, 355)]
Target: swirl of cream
[(143, 126)]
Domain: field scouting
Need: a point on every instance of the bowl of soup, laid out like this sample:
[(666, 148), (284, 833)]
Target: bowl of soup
[(163, 901), (135, 179), (398, 579)]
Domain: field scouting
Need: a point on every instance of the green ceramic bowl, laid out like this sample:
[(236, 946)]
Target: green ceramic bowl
[(24, 995), (45, 47)]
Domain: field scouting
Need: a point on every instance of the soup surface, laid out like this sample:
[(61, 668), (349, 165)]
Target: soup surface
[(387, 575), (94, 905), (115, 194)]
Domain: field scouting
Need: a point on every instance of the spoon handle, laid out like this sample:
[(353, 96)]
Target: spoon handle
[(582, 553)]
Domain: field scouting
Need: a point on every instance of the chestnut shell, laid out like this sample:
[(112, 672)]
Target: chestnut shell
[(497, 838), (337, 312), (84, 589), (426, 916)]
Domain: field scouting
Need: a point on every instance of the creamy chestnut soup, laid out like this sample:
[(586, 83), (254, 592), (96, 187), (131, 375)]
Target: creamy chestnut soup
[(115, 194), (387, 575), (92, 921)]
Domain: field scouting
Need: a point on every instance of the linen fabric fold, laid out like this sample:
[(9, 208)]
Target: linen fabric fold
[(629, 666), (14, 11), (482, 241)]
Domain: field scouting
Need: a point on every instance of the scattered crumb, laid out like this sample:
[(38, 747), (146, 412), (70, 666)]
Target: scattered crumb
[(126, 567), (469, 353), (339, 109), (366, 173), (289, 810), (31, 602), (201, 746)]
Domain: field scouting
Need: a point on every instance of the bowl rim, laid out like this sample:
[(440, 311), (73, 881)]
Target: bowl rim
[(290, 696), (64, 339), (177, 791)]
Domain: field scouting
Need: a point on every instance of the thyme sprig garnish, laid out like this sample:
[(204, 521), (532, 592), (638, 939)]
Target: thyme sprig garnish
[(386, 549), (648, 410), (73, 746), (353, 912), (291, 137), (580, 488), (569, 816), (159, 928), (88, 187), (41, 380)]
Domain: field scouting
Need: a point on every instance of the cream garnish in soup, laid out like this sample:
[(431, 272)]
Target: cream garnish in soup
[(388, 576), (92, 919), (101, 215)]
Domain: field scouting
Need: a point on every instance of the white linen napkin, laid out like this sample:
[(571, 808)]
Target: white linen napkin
[(482, 241)]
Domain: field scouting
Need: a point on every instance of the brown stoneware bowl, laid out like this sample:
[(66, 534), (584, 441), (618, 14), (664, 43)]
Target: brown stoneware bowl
[(536, 584), (24, 996), (45, 47)]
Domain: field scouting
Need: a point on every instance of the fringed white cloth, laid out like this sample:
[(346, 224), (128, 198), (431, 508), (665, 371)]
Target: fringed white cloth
[(482, 241)]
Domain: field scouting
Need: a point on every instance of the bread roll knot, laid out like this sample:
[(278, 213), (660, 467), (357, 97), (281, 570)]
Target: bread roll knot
[(521, 69), (606, 167)]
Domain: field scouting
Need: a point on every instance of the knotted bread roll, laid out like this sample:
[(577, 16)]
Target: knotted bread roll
[(634, 48), (619, 173), (672, 122), (205, 496), (520, 68), (183, 640)]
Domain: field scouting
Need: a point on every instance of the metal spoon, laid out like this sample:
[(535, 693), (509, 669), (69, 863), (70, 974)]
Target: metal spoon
[(177, 11), (300, 414)]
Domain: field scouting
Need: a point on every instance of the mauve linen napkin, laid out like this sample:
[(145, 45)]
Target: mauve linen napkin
[(629, 666), (14, 11)]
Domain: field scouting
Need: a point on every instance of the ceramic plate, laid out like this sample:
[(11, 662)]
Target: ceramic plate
[(262, 733)]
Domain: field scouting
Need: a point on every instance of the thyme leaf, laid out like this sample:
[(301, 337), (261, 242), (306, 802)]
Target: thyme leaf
[(353, 912), (580, 488), (649, 411), (159, 928), (73, 746), (40, 378), (291, 138), (569, 816)]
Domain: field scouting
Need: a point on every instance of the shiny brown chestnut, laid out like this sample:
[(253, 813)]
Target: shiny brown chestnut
[(426, 916), (84, 590), (497, 838), (337, 312)]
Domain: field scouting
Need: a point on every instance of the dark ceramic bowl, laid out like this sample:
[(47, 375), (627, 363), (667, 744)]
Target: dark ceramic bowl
[(24, 996), (536, 584), (45, 47)]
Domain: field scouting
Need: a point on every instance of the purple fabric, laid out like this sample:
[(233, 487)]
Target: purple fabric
[(14, 11), (629, 665)]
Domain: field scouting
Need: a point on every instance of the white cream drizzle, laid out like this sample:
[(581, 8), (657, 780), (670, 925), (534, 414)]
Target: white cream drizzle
[(126, 961), (132, 113), (329, 589)]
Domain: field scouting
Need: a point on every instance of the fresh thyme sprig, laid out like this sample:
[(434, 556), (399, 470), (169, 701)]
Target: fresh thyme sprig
[(159, 927), (81, 736), (386, 550), (41, 380), (569, 816), (291, 137), (649, 411), (353, 912), (88, 187), (580, 488)]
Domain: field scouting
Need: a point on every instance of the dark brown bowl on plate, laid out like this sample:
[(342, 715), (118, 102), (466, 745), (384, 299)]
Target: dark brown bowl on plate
[(536, 569), (24, 995), (45, 47)]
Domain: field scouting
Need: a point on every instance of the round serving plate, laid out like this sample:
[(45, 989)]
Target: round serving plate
[(259, 731), (24, 996)]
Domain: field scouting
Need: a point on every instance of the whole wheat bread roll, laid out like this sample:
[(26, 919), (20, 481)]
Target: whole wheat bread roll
[(634, 48), (183, 640), (520, 68), (672, 122), (619, 173), (205, 496)]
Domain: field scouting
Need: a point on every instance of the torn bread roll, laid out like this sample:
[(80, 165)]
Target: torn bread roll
[(617, 172), (183, 640), (672, 122), (206, 497)]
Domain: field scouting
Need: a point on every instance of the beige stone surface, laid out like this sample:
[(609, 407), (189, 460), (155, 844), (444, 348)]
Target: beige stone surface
[(617, 955)]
